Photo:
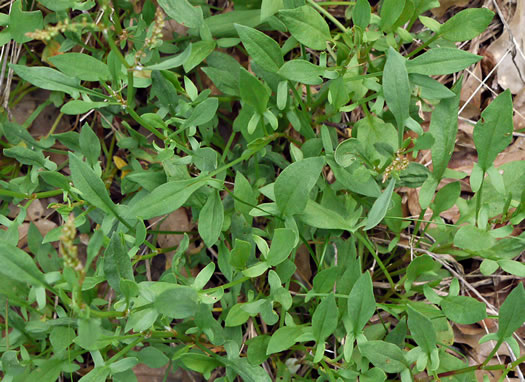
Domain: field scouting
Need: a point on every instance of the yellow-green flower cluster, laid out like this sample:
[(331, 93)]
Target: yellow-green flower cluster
[(155, 36), (51, 31), (68, 249), (398, 164)]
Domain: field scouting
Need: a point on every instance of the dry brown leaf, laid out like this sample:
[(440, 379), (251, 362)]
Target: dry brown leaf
[(511, 71), (302, 262), (473, 108), (519, 107), (176, 221), (44, 226), (514, 152), (35, 211), (23, 229)]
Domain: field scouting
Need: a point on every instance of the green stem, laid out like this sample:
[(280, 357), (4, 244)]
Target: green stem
[(423, 46), (328, 15), (329, 3), (124, 350), (129, 95), (483, 366), (35, 114), (228, 145), (226, 286), (139, 120), (55, 125), (13, 194), (493, 352), (478, 197), (372, 251), (106, 314), (113, 46), (47, 194)]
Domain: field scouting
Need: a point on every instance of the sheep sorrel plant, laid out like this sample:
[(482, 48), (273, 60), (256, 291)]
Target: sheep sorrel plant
[(218, 190)]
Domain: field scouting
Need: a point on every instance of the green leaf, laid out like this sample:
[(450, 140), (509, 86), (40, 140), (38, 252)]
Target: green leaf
[(49, 79), (512, 312), (165, 199), (324, 280), (424, 5), (262, 49), (21, 22), (92, 187), (172, 62), (430, 88), (253, 92), (60, 5), (444, 127), (245, 197), (467, 24), (178, 302), (414, 175), (493, 132), (390, 12), (199, 51), (361, 303), (488, 267), (348, 151), (61, 337), (270, 7), (81, 66), (420, 265), (183, 12), (211, 218), (222, 25), (361, 14), (337, 94), (152, 357), (76, 107), (200, 363), (257, 349), (283, 339), (17, 264), (438, 61), (380, 206), (99, 373), (396, 88), (430, 23), (89, 331), (513, 267), (307, 26), (472, 238), (236, 316), (246, 371), (240, 253), (30, 157), (123, 364), (384, 355), (302, 71), (463, 310), (446, 197), (89, 144), (324, 319), (318, 216), (422, 330), (282, 244), (203, 113), (293, 185), (256, 270), (117, 263)]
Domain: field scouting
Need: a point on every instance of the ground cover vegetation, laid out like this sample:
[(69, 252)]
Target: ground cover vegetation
[(223, 187)]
